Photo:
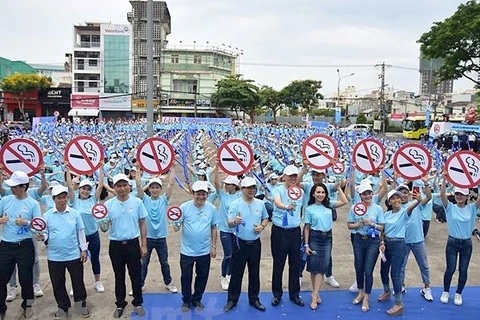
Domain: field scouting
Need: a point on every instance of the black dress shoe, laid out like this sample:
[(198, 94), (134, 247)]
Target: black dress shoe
[(275, 301), (229, 306), (298, 301), (257, 305), (198, 305)]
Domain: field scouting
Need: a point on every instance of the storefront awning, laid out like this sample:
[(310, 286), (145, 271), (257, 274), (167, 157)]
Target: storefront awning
[(83, 113)]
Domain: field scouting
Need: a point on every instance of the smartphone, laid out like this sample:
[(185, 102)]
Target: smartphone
[(416, 190)]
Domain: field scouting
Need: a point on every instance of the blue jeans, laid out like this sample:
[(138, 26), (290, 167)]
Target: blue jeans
[(395, 256), (420, 254), (463, 249), (365, 252), (160, 245), (94, 248), (226, 238)]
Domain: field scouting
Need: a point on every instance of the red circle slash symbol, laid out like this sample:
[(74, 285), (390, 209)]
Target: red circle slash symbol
[(99, 211), (294, 192), (38, 224), (360, 209), (174, 213), (338, 167), (463, 169)]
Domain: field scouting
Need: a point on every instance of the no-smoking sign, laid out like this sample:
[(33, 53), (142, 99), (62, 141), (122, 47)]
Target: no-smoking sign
[(155, 155), (463, 169), (338, 167), (99, 211), (235, 157), (320, 151), (38, 224), (360, 209), (412, 161), (368, 155), (436, 128), (174, 213), (84, 154), (21, 155), (294, 192)]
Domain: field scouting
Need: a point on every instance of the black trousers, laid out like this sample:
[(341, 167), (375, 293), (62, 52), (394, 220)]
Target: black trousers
[(56, 269), (21, 254), (126, 253), (285, 243), (202, 269), (247, 253)]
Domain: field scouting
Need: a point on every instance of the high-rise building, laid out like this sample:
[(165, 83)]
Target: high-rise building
[(429, 83), (161, 28)]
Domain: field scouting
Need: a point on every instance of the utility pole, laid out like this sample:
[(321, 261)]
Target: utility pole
[(383, 111), (150, 68)]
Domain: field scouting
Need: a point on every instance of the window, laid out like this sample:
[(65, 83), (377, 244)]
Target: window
[(92, 63), (175, 58), (192, 86), (177, 86), (9, 70), (197, 59), (92, 84)]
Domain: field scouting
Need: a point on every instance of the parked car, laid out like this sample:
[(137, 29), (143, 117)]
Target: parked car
[(22, 125), (458, 139), (358, 128)]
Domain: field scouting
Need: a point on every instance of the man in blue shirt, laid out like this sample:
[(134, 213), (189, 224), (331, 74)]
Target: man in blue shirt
[(126, 217), (16, 213), (67, 250), (249, 217), (198, 244)]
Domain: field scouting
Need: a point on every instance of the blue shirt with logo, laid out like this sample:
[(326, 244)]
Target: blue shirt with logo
[(252, 215), (225, 201), (14, 208), (124, 217), (84, 206), (374, 213), (460, 221), (157, 216), (395, 223), (294, 220), (319, 217)]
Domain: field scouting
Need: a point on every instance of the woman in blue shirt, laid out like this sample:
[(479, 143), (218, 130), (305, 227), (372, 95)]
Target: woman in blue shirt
[(318, 235)]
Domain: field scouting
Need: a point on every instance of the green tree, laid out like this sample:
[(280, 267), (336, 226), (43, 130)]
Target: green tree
[(238, 94), (456, 40), (270, 99), (361, 118), (301, 93), (19, 84)]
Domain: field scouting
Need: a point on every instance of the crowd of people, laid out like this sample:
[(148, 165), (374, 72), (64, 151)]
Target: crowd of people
[(395, 221)]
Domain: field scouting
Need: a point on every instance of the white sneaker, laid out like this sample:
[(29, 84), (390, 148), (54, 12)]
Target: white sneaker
[(12, 294), (170, 287), (99, 287), (444, 297), (130, 293), (427, 294), (300, 280), (37, 290), (458, 299), (353, 288), (71, 292), (332, 282), (224, 283), (228, 277)]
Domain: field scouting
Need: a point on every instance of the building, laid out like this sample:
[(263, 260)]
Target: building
[(60, 74), (102, 70), (188, 80), (161, 28), (429, 85)]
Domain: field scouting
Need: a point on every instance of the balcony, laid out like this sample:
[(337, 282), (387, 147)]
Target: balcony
[(87, 44)]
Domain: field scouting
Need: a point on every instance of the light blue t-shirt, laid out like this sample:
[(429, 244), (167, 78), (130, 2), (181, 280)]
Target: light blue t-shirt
[(62, 229), (157, 216), (294, 220), (84, 206), (374, 213), (26, 208), (124, 217), (252, 215), (319, 217), (47, 200), (460, 221), (225, 201), (395, 223), (197, 225)]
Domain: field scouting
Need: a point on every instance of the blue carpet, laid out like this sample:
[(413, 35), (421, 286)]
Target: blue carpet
[(336, 305)]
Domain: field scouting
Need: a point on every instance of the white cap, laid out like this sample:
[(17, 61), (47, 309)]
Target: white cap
[(366, 180), (290, 170), (402, 186), (319, 170), (248, 182), (202, 165), (200, 186), (59, 190), (17, 178), (53, 183), (201, 173), (463, 191), (273, 176), (231, 180), (120, 177), (133, 169), (154, 180), (364, 187), (84, 183), (393, 193)]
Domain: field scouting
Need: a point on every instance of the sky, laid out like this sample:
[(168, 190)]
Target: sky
[(281, 40)]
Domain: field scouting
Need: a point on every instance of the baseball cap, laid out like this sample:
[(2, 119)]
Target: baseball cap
[(202, 165), (17, 178), (463, 191), (154, 180), (273, 176), (120, 177), (84, 183), (231, 180), (53, 183), (393, 193), (290, 170), (401, 187), (200, 186), (248, 182), (319, 170), (59, 190), (366, 180), (364, 187)]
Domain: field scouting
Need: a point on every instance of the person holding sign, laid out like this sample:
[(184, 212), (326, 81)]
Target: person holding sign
[(366, 242), (157, 231), (67, 250), (286, 238), (460, 223), (198, 244), (84, 204), (249, 216), (16, 248)]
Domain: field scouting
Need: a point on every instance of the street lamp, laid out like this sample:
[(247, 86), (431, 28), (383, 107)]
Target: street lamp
[(338, 89)]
